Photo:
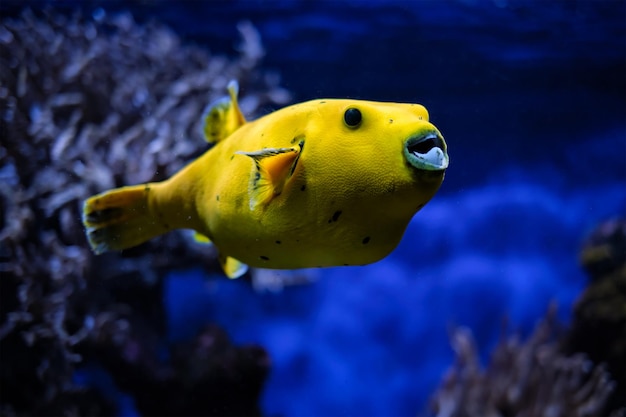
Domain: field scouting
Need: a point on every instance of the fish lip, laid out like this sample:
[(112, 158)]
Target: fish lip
[(427, 151)]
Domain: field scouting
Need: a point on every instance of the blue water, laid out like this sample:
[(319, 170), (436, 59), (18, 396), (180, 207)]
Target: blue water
[(530, 96), (374, 340), (531, 99)]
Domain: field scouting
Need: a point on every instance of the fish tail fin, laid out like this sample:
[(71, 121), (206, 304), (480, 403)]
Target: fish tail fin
[(121, 218)]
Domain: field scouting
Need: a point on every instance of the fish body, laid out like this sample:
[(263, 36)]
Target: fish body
[(326, 182)]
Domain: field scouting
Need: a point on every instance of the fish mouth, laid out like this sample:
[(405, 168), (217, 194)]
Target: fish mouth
[(427, 152)]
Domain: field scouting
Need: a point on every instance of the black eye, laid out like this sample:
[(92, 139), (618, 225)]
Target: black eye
[(352, 117)]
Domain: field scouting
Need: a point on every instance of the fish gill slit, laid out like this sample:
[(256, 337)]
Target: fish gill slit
[(295, 163)]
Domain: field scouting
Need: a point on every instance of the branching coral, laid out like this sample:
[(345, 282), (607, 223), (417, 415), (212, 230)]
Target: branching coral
[(529, 378), (599, 325), (582, 374), (88, 104)]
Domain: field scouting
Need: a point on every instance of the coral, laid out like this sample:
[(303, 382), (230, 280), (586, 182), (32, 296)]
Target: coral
[(599, 324), (208, 376), (532, 378), (547, 375), (88, 104)]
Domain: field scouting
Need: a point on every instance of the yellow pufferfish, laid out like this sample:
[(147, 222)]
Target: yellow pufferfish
[(327, 182)]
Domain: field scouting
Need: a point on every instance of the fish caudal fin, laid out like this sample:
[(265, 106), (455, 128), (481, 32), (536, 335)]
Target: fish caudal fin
[(223, 117), (120, 219), (123, 218)]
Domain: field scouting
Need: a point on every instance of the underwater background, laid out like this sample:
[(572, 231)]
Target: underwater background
[(531, 98)]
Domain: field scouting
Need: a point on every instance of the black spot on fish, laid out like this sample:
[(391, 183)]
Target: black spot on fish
[(335, 216), (390, 121), (231, 157), (346, 264), (217, 197), (278, 242), (366, 240), (322, 102), (146, 188), (303, 187), (265, 258)]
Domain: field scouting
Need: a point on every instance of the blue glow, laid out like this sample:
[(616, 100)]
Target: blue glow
[(469, 258)]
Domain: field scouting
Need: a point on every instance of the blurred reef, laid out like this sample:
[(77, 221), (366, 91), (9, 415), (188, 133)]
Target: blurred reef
[(78, 95), (578, 371), (599, 322)]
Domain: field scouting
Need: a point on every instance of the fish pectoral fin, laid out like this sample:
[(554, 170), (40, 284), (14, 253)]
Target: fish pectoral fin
[(272, 169), (222, 117), (232, 267)]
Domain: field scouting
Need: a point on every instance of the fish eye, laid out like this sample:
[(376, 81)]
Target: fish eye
[(352, 117)]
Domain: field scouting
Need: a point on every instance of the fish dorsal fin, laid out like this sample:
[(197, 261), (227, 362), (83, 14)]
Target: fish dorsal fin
[(272, 169), (232, 267), (223, 117)]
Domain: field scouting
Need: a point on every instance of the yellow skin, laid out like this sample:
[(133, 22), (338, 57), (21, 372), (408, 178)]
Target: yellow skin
[(297, 188)]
